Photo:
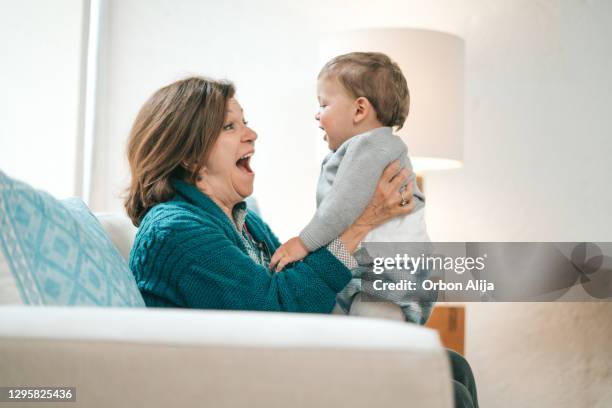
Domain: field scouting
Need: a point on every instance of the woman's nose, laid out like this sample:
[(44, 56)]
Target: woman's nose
[(250, 135), (317, 115)]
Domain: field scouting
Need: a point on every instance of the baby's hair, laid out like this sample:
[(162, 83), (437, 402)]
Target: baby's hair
[(376, 77)]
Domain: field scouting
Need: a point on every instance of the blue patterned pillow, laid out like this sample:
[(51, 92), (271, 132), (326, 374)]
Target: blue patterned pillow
[(56, 253)]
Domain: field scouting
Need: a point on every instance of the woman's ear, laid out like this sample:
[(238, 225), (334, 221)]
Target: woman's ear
[(200, 175), (363, 107), (191, 168)]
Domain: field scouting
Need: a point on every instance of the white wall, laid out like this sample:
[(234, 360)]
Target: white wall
[(536, 160), (264, 47), (40, 74)]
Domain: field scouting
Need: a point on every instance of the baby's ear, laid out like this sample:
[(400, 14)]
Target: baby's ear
[(363, 108)]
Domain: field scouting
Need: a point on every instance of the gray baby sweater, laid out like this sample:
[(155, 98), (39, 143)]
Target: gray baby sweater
[(348, 179)]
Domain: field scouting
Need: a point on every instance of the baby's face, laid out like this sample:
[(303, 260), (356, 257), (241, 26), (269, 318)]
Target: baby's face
[(336, 112)]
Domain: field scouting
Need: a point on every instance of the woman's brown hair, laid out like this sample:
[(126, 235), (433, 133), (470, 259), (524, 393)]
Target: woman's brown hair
[(172, 137)]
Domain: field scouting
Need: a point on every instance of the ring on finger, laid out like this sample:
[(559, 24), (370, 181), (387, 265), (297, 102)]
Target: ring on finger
[(404, 201)]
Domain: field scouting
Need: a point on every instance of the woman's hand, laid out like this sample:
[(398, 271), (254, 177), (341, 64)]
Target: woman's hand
[(386, 201), (385, 204)]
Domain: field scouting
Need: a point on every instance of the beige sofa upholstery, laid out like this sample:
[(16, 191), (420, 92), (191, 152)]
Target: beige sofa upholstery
[(122, 357)]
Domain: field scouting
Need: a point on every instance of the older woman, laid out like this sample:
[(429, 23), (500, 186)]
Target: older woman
[(198, 245)]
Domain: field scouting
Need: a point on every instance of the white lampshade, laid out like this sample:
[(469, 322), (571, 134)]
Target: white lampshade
[(432, 63)]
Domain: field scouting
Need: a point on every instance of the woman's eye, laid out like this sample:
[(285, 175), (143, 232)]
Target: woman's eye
[(246, 122), (229, 126)]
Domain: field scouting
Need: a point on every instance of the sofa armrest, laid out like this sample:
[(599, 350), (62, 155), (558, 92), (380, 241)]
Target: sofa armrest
[(162, 357)]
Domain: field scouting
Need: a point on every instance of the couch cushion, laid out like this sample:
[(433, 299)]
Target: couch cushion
[(120, 230), (162, 357), (56, 253)]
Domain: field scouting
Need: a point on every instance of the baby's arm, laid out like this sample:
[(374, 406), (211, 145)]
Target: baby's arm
[(353, 186)]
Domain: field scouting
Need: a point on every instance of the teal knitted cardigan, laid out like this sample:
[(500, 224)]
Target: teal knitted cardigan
[(187, 253)]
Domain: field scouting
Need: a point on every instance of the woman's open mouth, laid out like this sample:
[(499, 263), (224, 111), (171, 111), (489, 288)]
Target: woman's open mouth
[(244, 163)]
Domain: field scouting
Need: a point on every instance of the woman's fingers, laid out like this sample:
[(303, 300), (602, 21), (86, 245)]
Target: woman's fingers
[(410, 188), (385, 203), (399, 180), (391, 191), (407, 208), (391, 171), (406, 193)]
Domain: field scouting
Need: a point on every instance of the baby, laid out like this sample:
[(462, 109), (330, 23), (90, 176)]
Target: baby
[(362, 97)]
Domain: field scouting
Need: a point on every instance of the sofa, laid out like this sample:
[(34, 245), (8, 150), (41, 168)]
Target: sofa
[(129, 356)]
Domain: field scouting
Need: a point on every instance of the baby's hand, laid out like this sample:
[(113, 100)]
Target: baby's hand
[(291, 251)]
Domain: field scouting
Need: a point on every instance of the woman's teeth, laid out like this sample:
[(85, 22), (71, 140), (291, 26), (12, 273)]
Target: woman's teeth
[(244, 163)]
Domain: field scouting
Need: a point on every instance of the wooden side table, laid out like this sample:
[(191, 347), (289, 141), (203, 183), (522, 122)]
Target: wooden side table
[(449, 321)]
